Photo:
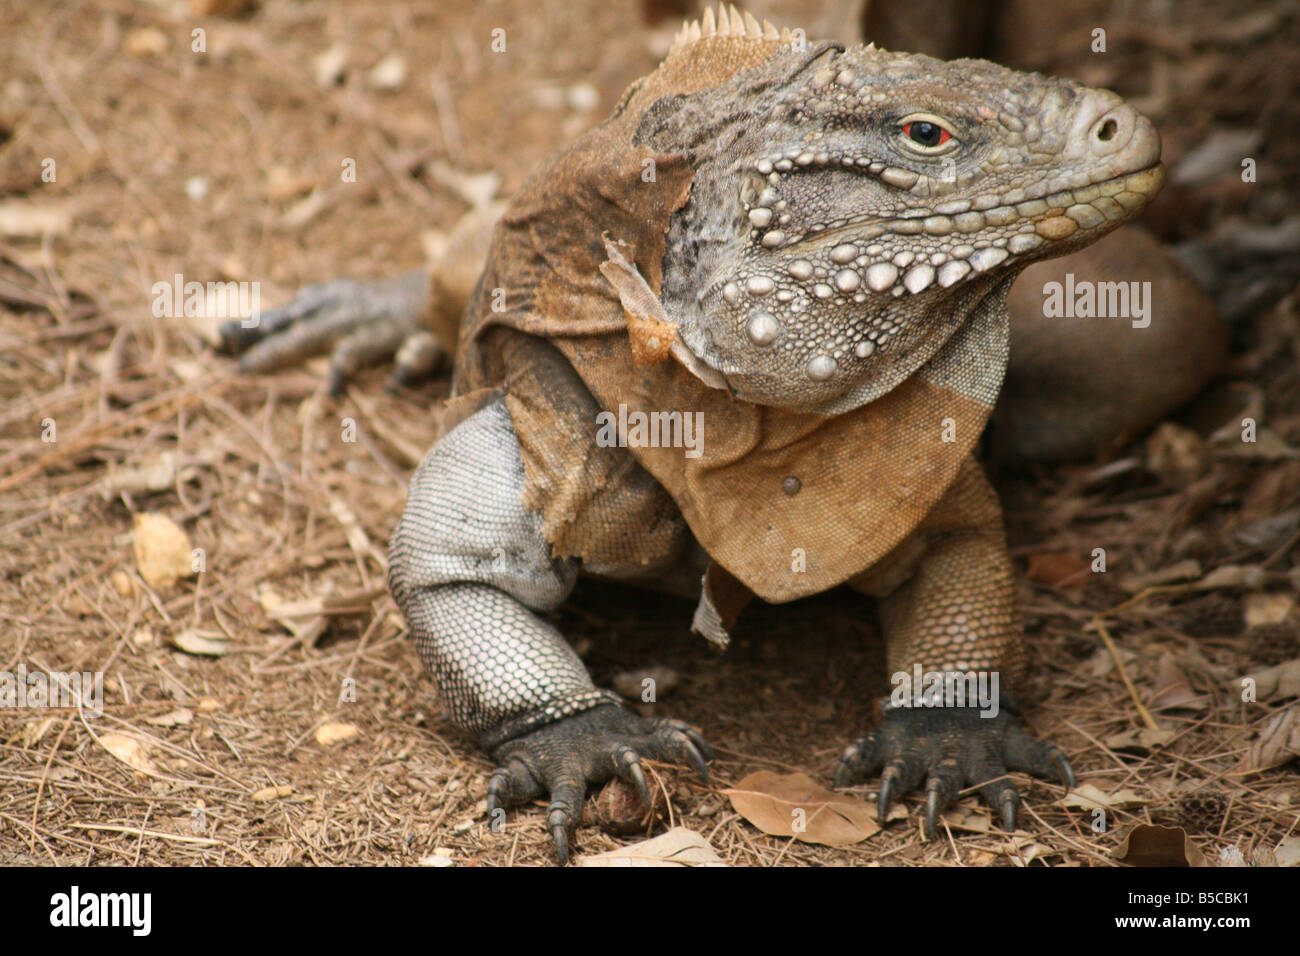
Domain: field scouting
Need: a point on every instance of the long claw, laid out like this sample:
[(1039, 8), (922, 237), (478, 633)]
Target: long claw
[(496, 788), (696, 759), (1067, 772), (638, 778), (1008, 803), (932, 808), (888, 780), (561, 837), (701, 744)]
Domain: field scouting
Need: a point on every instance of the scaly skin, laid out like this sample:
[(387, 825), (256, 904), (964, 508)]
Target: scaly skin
[(831, 232)]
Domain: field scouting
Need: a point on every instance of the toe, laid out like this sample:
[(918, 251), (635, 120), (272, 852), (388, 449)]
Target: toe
[(1004, 798), (1035, 757), (628, 766)]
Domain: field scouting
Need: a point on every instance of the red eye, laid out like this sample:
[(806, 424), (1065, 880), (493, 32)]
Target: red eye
[(926, 134)]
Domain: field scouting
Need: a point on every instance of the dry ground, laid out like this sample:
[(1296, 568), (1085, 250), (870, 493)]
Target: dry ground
[(226, 165)]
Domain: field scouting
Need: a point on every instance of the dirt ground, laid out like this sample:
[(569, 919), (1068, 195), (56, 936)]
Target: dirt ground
[(226, 165)]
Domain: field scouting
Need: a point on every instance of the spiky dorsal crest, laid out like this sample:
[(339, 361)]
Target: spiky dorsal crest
[(733, 23)]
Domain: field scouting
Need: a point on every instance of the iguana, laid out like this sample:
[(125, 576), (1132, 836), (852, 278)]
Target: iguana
[(805, 248)]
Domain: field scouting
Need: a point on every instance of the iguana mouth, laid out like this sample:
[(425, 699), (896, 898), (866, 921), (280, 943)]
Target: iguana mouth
[(970, 241), (1054, 216)]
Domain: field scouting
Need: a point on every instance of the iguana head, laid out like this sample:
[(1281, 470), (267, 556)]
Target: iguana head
[(850, 208)]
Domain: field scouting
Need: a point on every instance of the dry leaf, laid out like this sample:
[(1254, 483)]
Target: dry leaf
[(303, 619), (1172, 686), (1287, 853), (23, 219), (1277, 744), (678, 847), (192, 641), (1143, 739), (1280, 681), (271, 793), (1182, 571), (1103, 662), (162, 550), (145, 42), (328, 67), (1268, 446), (1271, 608), (1232, 576), (173, 718), (31, 732), (327, 734), (130, 751), (968, 819), (1058, 569), (1146, 845), (388, 74), (777, 803), (1088, 796), (283, 184)]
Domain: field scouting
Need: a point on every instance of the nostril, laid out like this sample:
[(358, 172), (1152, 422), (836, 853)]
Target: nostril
[(1106, 132)]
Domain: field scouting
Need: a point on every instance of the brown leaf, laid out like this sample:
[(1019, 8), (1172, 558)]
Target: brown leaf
[(1278, 743), (1140, 740), (1287, 853), (1058, 569), (1146, 845), (1087, 796), (1268, 608), (192, 641), (781, 804), (1279, 681), (1181, 571), (678, 847), (1172, 686), (130, 751), (173, 718), (1232, 576), (271, 793)]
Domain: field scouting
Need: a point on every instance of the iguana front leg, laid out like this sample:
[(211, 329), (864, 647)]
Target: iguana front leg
[(469, 568), (955, 614)]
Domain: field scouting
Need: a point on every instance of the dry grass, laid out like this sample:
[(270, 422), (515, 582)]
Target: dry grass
[(257, 475)]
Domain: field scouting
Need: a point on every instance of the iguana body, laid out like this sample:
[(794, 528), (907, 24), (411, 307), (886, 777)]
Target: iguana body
[(810, 248)]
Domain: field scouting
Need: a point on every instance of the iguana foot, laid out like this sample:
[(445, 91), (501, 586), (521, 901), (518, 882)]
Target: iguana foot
[(950, 748), (363, 321), (562, 759)]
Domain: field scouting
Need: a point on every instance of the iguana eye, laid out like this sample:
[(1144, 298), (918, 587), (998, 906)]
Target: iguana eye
[(926, 135)]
